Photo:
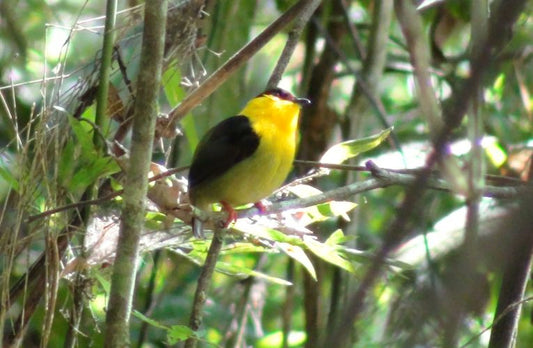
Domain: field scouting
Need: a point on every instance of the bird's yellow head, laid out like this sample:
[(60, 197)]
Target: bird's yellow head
[(277, 107)]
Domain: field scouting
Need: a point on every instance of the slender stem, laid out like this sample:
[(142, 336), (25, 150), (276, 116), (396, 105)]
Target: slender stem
[(144, 119), (204, 281), (504, 18), (290, 46), (235, 62), (102, 119)]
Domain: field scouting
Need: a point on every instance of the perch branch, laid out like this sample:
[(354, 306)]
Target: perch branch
[(235, 62)]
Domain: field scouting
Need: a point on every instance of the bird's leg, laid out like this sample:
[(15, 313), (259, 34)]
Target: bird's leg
[(232, 214), (261, 207)]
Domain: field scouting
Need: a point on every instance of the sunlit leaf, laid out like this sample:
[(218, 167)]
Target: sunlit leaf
[(239, 248), (328, 253), (198, 257), (155, 220), (303, 191), (243, 272), (337, 208), (172, 86), (337, 238), (188, 123), (175, 94), (300, 256), (343, 151), (494, 151), (263, 232)]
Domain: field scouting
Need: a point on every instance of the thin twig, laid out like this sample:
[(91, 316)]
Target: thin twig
[(516, 273), (352, 31), (500, 316), (503, 18), (100, 200), (204, 281), (235, 62), (381, 178), (375, 102), (292, 41)]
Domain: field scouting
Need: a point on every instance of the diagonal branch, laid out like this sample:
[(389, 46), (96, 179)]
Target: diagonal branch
[(235, 62)]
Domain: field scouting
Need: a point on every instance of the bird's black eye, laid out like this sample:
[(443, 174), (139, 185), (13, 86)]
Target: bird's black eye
[(283, 94), (280, 93)]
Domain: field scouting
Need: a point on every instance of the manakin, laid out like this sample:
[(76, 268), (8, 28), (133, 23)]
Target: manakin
[(244, 158)]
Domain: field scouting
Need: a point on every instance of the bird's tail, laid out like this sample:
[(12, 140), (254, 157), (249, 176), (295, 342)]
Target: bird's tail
[(198, 228)]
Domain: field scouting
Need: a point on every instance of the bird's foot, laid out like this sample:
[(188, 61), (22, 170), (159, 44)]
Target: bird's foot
[(261, 207), (232, 214)]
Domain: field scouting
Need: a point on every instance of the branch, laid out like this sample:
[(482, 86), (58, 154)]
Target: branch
[(290, 46), (100, 200), (204, 281), (504, 16), (381, 178), (515, 273), (102, 119), (235, 62), (135, 189)]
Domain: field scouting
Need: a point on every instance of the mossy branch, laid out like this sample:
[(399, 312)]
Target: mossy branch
[(144, 119)]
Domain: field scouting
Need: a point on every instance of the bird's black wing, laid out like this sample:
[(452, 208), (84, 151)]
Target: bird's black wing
[(225, 145)]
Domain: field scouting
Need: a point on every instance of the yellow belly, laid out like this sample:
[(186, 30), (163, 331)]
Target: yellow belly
[(254, 178)]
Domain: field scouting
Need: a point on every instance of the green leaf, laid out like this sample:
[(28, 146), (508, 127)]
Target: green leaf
[(155, 220), (198, 257), (341, 152), (494, 151), (263, 232), (150, 321), (7, 174), (172, 82), (84, 134), (88, 174), (106, 285), (336, 208), (175, 94), (239, 248), (175, 333), (67, 164), (337, 238), (298, 255), (188, 124), (328, 253), (243, 272), (178, 333)]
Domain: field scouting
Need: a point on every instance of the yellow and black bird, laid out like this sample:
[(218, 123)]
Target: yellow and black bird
[(244, 158)]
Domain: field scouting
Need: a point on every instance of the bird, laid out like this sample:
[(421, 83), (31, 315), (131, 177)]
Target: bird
[(244, 158)]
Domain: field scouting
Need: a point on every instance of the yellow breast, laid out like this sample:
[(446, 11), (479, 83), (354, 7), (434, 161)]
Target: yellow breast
[(276, 122)]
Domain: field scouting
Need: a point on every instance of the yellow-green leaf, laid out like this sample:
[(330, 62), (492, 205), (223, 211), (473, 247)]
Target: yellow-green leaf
[(298, 255), (178, 333), (348, 149), (328, 253)]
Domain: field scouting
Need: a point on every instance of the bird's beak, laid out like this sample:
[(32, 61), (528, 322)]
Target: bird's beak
[(302, 101)]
